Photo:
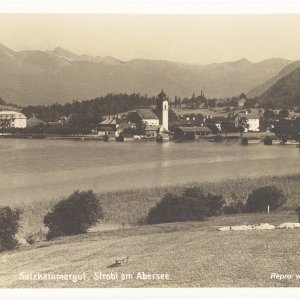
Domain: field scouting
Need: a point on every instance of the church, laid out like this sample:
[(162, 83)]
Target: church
[(148, 121), (153, 119)]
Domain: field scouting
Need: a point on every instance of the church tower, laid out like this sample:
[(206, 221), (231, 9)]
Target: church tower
[(165, 114), (163, 110)]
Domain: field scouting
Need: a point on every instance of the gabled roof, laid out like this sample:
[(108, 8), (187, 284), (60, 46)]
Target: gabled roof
[(146, 113), (14, 114), (110, 121)]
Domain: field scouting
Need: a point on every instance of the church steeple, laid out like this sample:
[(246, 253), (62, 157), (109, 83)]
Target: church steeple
[(162, 96)]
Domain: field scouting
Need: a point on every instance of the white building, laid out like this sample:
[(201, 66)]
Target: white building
[(12, 119), (147, 116), (165, 114), (241, 103), (248, 120)]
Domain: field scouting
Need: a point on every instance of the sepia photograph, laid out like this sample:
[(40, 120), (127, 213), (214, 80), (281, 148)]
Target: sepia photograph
[(149, 150)]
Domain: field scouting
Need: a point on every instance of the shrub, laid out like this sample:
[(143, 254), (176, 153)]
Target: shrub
[(176, 209), (9, 226), (234, 208), (284, 140), (192, 205), (218, 138), (267, 141), (244, 141), (212, 203), (259, 199), (194, 192), (73, 215)]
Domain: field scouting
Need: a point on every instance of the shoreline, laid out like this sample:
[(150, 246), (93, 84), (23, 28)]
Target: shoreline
[(253, 138)]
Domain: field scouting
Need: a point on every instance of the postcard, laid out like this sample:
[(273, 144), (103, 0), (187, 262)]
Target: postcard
[(149, 149)]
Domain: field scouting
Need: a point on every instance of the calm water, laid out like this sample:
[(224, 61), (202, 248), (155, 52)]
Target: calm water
[(45, 169)]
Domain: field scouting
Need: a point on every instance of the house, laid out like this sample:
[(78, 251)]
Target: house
[(241, 103), (151, 131), (249, 121), (143, 117), (12, 119), (108, 126), (191, 133), (113, 125)]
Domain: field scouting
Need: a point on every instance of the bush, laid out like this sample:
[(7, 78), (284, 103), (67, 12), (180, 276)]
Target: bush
[(176, 209), (73, 215), (244, 141), (192, 205), (9, 226), (267, 141), (218, 138), (234, 208), (259, 199), (212, 203)]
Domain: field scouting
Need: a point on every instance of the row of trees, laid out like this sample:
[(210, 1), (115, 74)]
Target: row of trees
[(288, 129), (90, 109), (194, 204)]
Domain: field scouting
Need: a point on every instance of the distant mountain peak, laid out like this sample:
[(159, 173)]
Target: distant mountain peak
[(64, 53), (243, 61), (60, 49), (6, 50), (61, 75)]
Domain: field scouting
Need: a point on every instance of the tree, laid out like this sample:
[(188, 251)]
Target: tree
[(284, 129), (242, 95), (74, 214), (268, 140), (2, 102), (212, 126), (212, 102), (244, 141), (259, 199), (283, 113), (241, 129), (269, 114), (228, 126), (9, 226), (174, 208), (194, 204)]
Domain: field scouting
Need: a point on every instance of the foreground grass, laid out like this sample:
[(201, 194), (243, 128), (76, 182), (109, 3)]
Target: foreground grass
[(130, 207), (194, 254)]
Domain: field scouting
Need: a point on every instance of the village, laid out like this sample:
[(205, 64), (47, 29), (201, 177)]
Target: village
[(167, 120)]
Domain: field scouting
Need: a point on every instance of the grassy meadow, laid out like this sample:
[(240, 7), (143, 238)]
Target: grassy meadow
[(193, 254), (127, 208)]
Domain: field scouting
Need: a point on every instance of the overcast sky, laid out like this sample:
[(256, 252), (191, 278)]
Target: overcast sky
[(199, 39)]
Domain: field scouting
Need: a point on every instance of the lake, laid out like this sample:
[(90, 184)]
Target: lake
[(46, 169)]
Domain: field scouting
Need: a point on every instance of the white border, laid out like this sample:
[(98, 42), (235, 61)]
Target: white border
[(151, 293), (152, 6)]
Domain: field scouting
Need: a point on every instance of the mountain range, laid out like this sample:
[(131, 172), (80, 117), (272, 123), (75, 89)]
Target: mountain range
[(59, 75), (285, 91)]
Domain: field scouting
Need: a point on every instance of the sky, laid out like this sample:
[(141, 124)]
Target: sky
[(199, 39)]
